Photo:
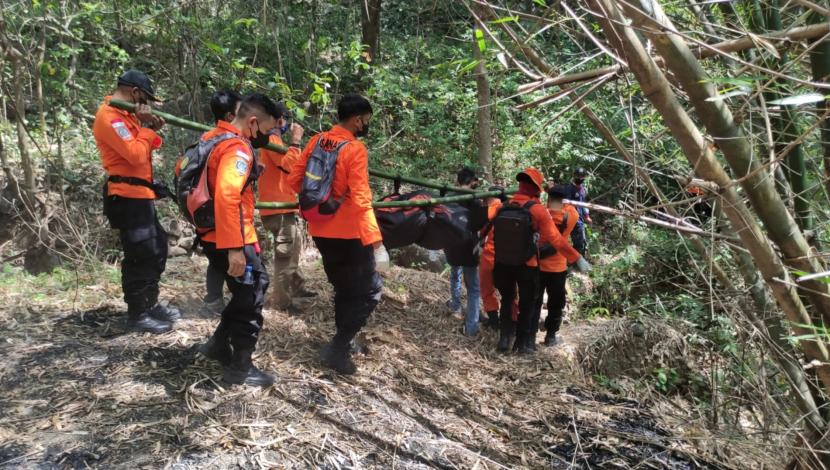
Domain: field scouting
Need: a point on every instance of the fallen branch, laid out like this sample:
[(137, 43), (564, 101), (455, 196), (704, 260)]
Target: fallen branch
[(700, 51), (651, 220)]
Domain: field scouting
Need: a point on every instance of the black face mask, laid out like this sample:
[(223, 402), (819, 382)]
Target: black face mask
[(140, 99), (258, 139), (363, 132), (579, 180)]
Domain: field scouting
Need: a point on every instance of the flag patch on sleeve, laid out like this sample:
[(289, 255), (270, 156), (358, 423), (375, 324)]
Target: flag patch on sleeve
[(122, 131), (241, 167), (241, 154)]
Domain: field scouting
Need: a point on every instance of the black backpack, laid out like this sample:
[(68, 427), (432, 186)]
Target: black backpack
[(515, 240), (191, 182), (316, 201)]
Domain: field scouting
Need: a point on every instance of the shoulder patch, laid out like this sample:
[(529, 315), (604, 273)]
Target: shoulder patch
[(243, 155), (121, 129), (241, 167)]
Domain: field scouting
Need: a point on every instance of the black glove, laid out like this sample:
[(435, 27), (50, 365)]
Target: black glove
[(546, 251)]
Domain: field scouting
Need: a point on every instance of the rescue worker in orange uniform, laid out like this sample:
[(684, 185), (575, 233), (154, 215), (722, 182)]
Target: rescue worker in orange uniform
[(350, 242), (126, 142), (487, 262), (283, 224), (524, 280), (554, 269), (233, 248), (223, 105)]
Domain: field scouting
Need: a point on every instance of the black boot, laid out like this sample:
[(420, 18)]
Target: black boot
[(551, 339), (505, 337), (493, 319), (143, 322), (217, 348), (165, 313), (337, 355), (242, 371), (525, 342)]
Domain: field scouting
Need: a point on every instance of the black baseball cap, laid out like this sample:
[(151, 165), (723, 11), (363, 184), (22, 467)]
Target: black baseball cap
[(139, 80), (558, 190)]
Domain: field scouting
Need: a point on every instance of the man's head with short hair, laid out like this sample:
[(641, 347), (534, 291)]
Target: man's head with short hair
[(466, 177), (224, 104), (256, 113), (354, 113), (284, 113)]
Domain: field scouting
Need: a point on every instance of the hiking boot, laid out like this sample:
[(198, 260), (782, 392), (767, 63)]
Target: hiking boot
[(505, 338), (217, 348), (338, 358), (165, 313), (525, 344), (493, 320), (241, 371), (552, 340), (214, 306), (143, 322)]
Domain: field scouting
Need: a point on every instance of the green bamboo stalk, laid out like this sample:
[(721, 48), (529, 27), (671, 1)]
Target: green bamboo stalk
[(390, 204), (195, 126)]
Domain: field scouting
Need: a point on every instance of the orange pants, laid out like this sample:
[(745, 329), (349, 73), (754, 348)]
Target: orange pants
[(488, 288)]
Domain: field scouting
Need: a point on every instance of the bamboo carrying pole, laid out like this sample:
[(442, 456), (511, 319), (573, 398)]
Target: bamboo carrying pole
[(195, 126), (469, 195)]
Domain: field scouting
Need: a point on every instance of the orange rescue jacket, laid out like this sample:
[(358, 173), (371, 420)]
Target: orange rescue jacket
[(229, 166), (488, 253), (557, 263), (273, 183), (355, 219), (126, 149)]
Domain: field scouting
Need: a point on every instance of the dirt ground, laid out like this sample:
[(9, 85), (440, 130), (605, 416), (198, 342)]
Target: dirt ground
[(77, 392)]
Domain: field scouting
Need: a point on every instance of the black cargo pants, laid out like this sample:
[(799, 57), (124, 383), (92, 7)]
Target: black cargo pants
[(524, 282), (144, 242), (242, 316), (350, 268)]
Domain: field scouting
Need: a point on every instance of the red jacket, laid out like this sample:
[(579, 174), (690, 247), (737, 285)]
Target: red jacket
[(126, 149), (229, 165), (273, 184), (355, 218)]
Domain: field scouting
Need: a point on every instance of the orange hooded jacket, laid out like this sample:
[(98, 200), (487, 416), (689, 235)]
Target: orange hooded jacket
[(126, 149), (557, 263), (355, 218), (273, 184), (229, 165)]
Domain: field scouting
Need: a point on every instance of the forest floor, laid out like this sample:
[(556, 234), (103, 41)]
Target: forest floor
[(78, 392)]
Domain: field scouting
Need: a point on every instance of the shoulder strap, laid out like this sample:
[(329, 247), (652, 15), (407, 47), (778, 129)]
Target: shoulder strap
[(529, 204), (564, 218)]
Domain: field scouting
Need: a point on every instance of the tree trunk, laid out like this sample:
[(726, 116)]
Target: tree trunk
[(786, 128), (38, 73), (655, 87), (28, 192), (370, 24), (820, 65), (758, 184), (485, 144)]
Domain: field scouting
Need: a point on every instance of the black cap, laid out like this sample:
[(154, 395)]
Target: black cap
[(558, 190), (139, 80)]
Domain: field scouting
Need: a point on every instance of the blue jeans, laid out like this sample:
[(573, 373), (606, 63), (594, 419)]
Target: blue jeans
[(470, 274)]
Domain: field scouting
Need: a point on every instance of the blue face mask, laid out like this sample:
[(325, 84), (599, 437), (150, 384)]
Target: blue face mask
[(285, 128)]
